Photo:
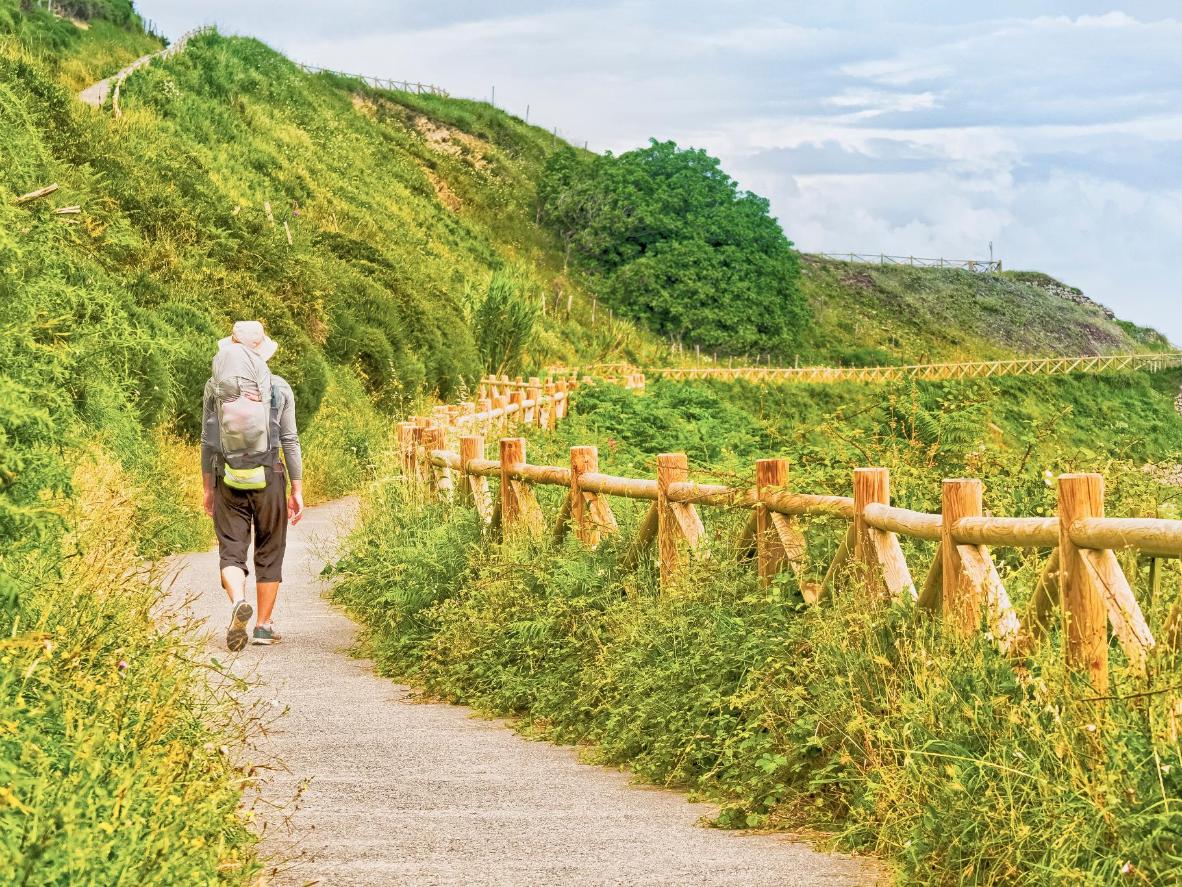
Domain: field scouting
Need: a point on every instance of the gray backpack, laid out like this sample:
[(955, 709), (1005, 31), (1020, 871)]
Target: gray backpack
[(242, 391)]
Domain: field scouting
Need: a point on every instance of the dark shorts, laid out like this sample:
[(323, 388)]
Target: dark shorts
[(235, 512)]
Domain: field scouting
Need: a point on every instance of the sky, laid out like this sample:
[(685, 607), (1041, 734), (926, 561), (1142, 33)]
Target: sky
[(1051, 129)]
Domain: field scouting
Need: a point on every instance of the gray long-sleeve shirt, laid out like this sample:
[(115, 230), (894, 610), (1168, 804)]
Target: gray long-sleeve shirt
[(283, 431)]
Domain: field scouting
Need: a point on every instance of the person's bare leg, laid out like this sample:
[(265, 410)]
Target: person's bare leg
[(267, 592), (234, 582)]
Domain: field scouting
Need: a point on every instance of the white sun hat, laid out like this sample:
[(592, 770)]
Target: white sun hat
[(251, 334)]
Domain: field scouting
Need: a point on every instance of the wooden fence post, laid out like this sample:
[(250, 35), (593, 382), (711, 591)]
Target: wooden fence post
[(501, 422), (870, 485), (1081, 496), (960, 497), (769, 551), (671, 468), (483, 407), (583, 460), (561, 389), (517, 399), (406, 448), (551, 415), (417, 472), (436, 477), (591, 514), (533, 394), (675, 520), (519, 506), (877, 552), (474, 488)]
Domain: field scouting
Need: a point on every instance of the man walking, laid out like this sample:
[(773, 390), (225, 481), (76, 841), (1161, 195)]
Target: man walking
[(248, 416)]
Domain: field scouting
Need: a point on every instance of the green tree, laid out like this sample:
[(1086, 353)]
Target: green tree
[(675, 244)]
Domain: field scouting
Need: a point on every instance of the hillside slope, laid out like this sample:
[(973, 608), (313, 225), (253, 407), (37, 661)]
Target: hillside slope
[(361, 226), (869, 314)]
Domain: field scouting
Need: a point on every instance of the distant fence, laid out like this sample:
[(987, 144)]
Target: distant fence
[(1039, 366), (380, 82), (915, 261)]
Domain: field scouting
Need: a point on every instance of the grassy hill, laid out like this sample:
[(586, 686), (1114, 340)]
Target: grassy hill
[(869, 314)]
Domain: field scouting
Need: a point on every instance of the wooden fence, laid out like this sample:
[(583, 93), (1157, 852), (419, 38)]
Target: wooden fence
[(1037, 366), (443, 456), (914, 261), (380, 82)]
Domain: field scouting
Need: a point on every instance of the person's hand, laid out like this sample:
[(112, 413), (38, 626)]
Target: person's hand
[(208, 502), (295, 507)]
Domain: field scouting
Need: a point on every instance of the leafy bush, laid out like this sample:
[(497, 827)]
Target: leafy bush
[(677, 246), (503, 321)]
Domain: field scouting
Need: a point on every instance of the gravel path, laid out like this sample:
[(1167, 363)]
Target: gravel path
[(399, 792)]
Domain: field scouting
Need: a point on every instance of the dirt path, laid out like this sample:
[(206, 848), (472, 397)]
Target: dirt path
[(422, 794), (96, 94)]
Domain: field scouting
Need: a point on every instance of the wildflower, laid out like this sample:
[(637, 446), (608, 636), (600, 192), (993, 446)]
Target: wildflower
[(1127, 869), (1048, 477), (1091, 728), (122, 665)]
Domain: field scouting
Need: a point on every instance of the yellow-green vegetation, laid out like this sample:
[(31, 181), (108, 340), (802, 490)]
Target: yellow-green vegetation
[(115, 752), (390, 243), (869, 315), (82, 40), (857, 718)]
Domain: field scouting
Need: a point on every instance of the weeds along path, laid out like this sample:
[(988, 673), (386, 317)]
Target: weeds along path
[(400, 792)]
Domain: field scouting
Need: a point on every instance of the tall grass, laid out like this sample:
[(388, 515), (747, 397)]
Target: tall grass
[(116, 753), (860, 718)]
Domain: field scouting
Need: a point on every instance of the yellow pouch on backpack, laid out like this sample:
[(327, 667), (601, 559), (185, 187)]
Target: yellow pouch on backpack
[(245, 478)]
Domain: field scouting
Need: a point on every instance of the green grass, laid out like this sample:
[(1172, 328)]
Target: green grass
[(856, 719), (400, 209), (398, 214), (116, 750), (870, 315)]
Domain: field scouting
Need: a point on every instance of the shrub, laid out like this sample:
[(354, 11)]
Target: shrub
[(116, 751), (503, 320), (677, 246)]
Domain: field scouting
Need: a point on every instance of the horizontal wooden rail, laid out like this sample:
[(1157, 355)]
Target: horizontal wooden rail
[(541, 474), (628, 487), (903, 521), (807, 503), (718, 495), (1019, 532), (1153, 536)]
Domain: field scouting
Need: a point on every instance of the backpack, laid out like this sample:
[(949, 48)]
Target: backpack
[(242, 392)]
